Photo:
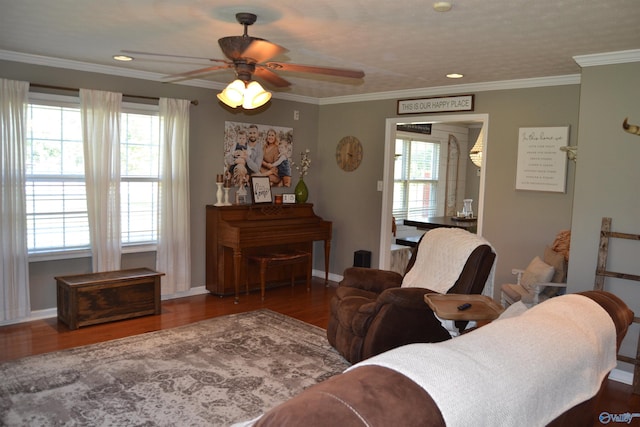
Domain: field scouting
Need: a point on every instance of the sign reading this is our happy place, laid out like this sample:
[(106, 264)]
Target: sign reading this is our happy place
[(436, 105)]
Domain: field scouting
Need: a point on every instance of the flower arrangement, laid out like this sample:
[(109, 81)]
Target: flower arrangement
[(305, 163)]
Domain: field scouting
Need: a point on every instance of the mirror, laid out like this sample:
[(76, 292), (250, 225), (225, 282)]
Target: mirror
[(474, 122)]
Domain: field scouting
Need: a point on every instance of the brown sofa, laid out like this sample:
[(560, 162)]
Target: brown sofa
[(378, 396), (371, 313)]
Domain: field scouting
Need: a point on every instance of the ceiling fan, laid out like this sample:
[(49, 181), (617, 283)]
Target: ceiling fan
[(249, 56)]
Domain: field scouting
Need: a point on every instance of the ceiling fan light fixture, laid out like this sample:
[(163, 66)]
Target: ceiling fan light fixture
[(233, 94), (255, 96), (248, 94)]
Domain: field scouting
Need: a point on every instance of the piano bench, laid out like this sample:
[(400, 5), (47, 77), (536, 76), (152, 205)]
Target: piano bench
[(281, 258)]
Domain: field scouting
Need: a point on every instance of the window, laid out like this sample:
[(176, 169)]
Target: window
[(416, 175), (55, 189), (139, 178), (57, 218)]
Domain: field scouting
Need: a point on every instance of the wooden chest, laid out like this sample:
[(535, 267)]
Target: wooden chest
[(88, 299)]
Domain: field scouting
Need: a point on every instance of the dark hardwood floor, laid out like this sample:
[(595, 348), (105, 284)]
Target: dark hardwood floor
[(42, 336)]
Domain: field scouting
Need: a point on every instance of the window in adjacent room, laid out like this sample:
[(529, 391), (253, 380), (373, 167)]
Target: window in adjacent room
[(57, 219), (416, 178)]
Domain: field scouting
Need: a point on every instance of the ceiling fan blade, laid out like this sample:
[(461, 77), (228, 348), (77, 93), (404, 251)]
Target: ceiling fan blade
[(250, 49), (262, 50), (165, 55), (340, 72), (192, 74), (270, 77)]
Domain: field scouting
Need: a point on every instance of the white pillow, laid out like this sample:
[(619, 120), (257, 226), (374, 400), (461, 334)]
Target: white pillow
[(537, 272)]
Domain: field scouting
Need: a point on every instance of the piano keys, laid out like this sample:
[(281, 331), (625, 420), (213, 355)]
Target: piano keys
[(233, 232)]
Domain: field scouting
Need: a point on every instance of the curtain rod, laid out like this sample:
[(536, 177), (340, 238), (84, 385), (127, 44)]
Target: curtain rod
[(152, 98)]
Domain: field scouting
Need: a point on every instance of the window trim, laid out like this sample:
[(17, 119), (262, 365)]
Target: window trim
[(440, 184), (73, 101)]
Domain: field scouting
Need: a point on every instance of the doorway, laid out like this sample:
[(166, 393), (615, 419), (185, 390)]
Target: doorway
[(386, 238)]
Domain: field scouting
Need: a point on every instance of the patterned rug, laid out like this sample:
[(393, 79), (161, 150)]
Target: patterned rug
[(214, 373)]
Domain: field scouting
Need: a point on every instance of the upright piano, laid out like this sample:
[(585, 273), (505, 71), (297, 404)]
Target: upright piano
[(233, 232)]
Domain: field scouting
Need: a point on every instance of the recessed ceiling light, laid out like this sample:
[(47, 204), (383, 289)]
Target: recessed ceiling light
[(123, 58), (442, 6), (455, 76)]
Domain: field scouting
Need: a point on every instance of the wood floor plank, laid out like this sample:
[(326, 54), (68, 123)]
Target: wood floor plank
[(42, 336)]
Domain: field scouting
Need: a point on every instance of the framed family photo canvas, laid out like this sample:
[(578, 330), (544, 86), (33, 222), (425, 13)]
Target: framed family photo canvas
[(261, 189)]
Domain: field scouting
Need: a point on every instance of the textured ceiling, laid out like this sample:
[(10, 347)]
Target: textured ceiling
[(399, 45)]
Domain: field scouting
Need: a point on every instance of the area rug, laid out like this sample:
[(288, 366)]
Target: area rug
[(214, 373)]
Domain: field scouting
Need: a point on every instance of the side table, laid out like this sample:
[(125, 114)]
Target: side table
[(445, 306)]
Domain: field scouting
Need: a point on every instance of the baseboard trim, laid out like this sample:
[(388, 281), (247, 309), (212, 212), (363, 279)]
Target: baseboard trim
[(332, 277), (198, 290), (53, 312), (621, 376)]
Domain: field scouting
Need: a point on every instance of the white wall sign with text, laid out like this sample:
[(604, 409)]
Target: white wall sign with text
[(436, 105), (542, 166)]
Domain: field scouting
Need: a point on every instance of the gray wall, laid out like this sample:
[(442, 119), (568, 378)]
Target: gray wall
[(518, 224), (206, 157), (607, 180)]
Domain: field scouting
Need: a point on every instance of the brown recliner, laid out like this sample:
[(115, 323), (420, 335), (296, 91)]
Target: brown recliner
[(371, 313)]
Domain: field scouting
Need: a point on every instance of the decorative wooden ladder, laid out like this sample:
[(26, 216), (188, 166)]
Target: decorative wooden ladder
[(602, 272)]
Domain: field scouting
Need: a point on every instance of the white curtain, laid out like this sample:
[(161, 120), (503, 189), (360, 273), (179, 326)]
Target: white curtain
[(14, 269), (174, 247), (101, 137)]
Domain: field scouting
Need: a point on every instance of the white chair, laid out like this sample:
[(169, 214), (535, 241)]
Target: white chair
[(543, 278), (532, 294)]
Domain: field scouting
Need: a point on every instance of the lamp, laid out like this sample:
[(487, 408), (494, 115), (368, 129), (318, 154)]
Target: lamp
[(255, 96), (476, 151), (248, 94)]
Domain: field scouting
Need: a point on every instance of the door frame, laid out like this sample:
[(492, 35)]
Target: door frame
[(386, 216)]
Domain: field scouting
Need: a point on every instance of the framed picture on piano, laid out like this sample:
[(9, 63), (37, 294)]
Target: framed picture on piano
[(261, 189)]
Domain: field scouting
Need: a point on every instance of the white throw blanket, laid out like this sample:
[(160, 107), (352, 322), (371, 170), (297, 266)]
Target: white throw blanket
[(441, 257), (524, 370)]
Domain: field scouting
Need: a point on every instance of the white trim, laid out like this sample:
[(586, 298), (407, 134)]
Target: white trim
[(609, 58), (200, 290), (124, 72), (621, 376), (34, 315), (49, 313), (384, 260), (433, 91), (572, 79), (333, 277)]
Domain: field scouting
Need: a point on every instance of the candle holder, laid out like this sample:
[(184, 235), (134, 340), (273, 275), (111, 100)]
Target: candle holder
[(219, 201), (226, 197)]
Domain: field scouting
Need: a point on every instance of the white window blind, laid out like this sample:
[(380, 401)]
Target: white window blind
[(139, 181), (416, 175), (55, 189), (55, 186)]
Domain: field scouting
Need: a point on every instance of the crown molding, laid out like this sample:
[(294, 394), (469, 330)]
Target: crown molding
[(621, 57), (123, 72), (76, 65), (376, 96), (570, 79)]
